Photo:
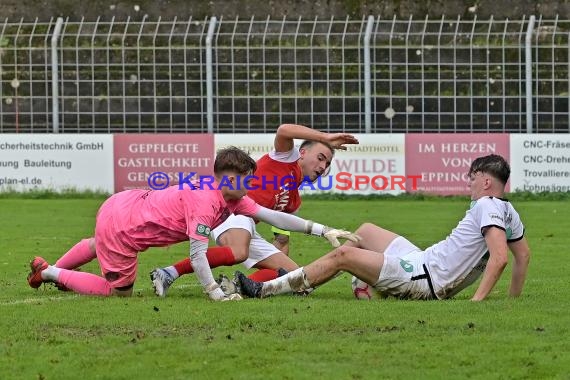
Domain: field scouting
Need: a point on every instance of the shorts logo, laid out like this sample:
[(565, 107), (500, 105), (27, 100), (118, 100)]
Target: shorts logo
[(405, 264), (203, 230), (509, 233)]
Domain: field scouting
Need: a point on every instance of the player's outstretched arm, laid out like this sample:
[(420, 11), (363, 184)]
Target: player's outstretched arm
[(496, 240), (294, 223), (203, 272), (521, 253), (286, 133)]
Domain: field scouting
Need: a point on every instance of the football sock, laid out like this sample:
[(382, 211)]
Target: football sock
[(172, 271), (78, 255), (217, 256), (51, 273), (294, 281), (263, 275), (182, 267), (84, 283)]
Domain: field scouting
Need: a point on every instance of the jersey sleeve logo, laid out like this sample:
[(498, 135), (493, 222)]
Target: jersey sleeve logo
[(496, 216), (203, 230)]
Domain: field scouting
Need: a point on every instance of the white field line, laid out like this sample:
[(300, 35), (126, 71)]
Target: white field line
[(69, 297), (39, 300)]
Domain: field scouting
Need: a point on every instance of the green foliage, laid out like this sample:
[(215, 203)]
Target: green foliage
[(48, 334), (86, 194), (514, 196)]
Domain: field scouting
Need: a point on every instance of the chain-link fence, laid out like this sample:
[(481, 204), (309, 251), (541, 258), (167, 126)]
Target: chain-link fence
[(221, 75)]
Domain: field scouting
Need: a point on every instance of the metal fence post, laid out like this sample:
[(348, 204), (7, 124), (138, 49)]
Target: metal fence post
[(55, 75), (209, 76), (528, 72), (367, 77)]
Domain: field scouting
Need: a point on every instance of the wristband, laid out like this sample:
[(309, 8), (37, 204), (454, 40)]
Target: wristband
[(308, 227), (317, 229)]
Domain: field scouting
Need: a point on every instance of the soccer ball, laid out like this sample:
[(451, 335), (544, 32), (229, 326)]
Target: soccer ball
[(361, 289)]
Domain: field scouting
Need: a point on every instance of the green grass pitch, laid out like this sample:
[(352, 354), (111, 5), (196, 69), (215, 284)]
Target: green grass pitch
[(47, 334)]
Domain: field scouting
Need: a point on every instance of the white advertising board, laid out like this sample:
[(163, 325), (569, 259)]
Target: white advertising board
[(375, 166), (540, 162), (56, 162), (256, 144)]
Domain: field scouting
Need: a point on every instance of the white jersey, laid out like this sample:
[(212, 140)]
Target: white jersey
[(456, 262)]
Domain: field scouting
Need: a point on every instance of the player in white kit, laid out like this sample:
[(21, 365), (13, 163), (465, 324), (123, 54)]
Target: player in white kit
[(396, 267)]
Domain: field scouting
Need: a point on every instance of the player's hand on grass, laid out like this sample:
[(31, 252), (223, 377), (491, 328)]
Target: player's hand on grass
[(233, 297), (332, 235), (338, 140), (216, 293)]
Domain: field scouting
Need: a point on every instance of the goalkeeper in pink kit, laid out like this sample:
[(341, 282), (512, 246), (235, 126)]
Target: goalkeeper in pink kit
[(132, 221)]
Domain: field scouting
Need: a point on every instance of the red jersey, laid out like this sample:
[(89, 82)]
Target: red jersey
[(277, 179)]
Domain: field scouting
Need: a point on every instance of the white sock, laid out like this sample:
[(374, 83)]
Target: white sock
[(172, 272), (51, 273), (294, 281)]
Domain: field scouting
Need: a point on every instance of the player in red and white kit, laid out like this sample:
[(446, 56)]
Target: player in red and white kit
[(275, 186)]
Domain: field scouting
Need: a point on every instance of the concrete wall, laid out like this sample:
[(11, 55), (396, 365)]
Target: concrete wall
[(168, 9)]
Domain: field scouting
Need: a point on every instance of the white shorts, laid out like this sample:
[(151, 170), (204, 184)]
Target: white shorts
[(403, 273), (259, 248)]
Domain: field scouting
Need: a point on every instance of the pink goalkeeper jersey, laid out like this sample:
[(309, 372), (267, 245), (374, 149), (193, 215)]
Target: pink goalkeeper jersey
[(157, 218)]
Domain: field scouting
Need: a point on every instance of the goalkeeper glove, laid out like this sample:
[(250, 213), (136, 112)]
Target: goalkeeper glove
[(216, 293), (332, 235)]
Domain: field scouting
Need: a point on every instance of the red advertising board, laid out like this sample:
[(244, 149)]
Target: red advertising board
[(140, 156), (443, 160)]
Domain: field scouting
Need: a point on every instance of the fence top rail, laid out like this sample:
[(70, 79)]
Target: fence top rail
[(281, 28)]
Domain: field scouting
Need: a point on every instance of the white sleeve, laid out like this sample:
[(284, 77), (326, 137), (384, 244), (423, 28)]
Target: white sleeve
[(290, 156), (200, 262), (288, 222), (489, 214), (515, 224)]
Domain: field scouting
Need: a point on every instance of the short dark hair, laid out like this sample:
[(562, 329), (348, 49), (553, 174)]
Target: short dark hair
[(233, 159), (309, 143), (493, 165)]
